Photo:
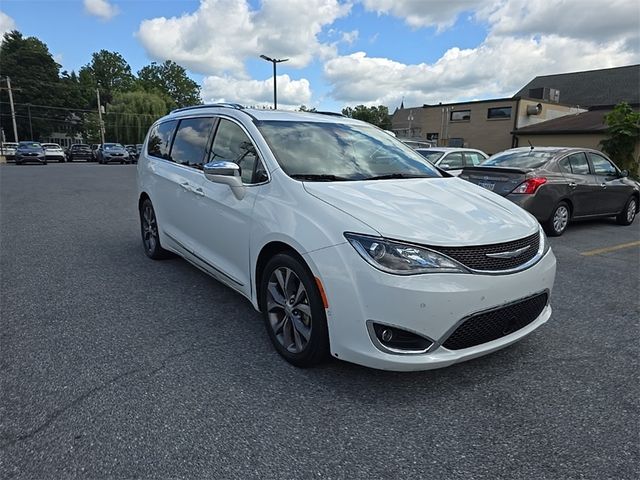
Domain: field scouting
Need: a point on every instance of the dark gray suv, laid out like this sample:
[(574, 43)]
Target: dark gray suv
[(559, 184)]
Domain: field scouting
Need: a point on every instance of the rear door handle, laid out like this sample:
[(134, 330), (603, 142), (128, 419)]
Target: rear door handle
[(573, 184), (198, 191), (186, 186), (603, 185)]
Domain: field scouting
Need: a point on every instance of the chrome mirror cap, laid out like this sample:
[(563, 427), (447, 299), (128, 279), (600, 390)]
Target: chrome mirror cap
[(228, 173)]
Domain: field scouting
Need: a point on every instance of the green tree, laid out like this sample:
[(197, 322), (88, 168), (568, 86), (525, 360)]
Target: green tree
[(623, 134), (109, 72), (304, 108), (171, 80), (35, 82), (378, 116), (131, 114)]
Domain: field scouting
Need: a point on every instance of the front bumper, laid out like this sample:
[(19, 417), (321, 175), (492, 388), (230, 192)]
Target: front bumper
[(430, 305), (30, 158)]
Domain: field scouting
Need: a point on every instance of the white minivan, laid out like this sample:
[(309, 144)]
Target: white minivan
[(350, 243)]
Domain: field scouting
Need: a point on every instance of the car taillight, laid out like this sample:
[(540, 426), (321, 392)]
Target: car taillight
[(530, 186)]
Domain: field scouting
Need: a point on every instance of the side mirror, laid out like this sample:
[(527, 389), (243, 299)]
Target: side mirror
[(445, 166), (227, 173), (624, 173)]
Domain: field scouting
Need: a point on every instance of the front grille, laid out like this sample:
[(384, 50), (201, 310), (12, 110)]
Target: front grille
[(494, 324), (476, 257)]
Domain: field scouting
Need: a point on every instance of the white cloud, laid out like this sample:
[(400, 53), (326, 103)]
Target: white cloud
[(350, 37), (6, 24), (291, 93), (101, 8), (496, 68), (222, 34), (421, 13), (526, 38)]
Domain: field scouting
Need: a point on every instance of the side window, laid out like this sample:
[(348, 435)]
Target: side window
[(564, 165), (454, 160), (233, 145), (602, 166), (579, 164), (472, 158), (160, 139), (190, 143)]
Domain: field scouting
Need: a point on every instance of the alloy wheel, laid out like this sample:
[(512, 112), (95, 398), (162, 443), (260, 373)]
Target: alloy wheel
[(149, 228), (560, 218), (288, 310)]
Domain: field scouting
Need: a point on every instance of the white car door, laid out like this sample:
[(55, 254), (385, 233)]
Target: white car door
[(222, 221)]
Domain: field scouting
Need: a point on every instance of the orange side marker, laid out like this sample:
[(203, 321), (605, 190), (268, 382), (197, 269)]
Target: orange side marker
[(325, 302)]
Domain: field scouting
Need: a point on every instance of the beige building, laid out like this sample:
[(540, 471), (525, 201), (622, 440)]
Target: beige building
[(486, 124)]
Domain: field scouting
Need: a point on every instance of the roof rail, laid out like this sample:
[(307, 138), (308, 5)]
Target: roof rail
[(236, 106), (333, 114)]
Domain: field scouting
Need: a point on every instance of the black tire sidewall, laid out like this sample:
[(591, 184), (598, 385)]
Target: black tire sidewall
[(622, 216), (158, 252), (317, 349)]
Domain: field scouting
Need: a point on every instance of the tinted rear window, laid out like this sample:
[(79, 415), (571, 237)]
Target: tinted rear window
[(519, 159)]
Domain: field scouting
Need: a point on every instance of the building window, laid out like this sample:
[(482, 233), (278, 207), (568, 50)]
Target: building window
[(432, 136), (460, 115), (499, 112)]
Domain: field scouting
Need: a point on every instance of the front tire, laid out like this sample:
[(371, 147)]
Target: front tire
[(150, 233), (628, 213), (559, 220), (293, 312)]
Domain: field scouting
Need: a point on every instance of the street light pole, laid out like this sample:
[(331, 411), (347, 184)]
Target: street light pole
[(274, 61)]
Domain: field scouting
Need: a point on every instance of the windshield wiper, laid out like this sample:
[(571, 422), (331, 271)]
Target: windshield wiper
[(391, 176), (318, 177)]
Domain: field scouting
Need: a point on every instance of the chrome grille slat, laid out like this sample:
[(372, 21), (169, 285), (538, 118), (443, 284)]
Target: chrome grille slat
[(476, 258)]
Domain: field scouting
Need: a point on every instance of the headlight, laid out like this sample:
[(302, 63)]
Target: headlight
[(400, 258), (544, 243)]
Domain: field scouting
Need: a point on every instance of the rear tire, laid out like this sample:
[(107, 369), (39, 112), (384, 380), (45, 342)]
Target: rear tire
[(150, 232), (559, 220), (293, 312), (628, 213)]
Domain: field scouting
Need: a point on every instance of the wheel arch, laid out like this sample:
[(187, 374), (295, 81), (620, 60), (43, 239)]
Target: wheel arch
[(268, 251)]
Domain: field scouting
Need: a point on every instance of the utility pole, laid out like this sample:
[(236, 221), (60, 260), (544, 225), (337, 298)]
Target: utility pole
[(30, 125), (13, 111), (274, 61), (100, 115)]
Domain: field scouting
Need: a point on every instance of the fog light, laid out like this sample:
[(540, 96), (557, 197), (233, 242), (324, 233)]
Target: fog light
[(387, 335), (397, 340)]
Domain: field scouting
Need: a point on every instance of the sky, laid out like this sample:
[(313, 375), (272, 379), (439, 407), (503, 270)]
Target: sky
[(342, 52)]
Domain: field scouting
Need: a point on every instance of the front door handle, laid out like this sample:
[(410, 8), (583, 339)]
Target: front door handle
[(186, 186), (198, 191), (573, 185), (603, 185)]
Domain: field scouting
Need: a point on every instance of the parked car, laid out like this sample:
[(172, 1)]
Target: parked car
[(418, 143), (79, 151), (8, 149), (133, 152), (453, 160), (94, 151), (560, 184), (346, 240), (30, 152), (112, 152), (53, 151)]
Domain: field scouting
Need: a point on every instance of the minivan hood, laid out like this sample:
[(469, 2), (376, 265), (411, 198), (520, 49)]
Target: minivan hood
[(432, 211)]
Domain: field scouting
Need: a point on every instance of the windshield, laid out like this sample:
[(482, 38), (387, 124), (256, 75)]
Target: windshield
[(51, 146), (519, 159), (29, 145), (336, 151), (430, 155), (109, 146)]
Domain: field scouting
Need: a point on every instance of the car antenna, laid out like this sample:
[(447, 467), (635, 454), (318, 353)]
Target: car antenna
[(530, 144)]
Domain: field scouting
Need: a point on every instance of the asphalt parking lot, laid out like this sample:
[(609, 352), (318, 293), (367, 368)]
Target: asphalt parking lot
[(116, 366)]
